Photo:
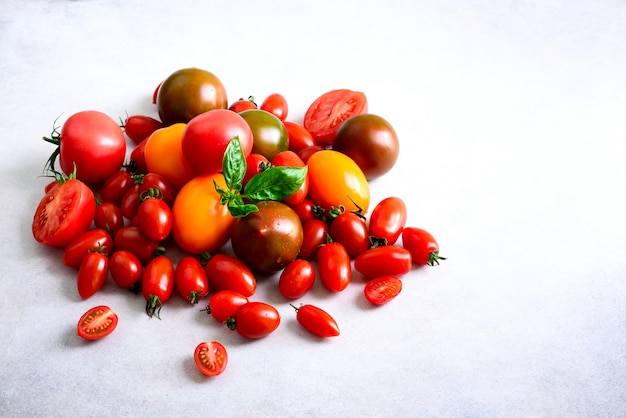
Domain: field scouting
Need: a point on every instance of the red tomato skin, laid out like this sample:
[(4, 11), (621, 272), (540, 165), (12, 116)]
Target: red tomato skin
[(139, 127), (351, 231), (229, 273), (388, 219), (130, 202), (276, 104), (299, 137), (224, 303), (242, 104), (115, 187), (157, 283), (317, 321), (291, 159), (64, 213), (155, 219), (381, 290), (422, 245), (314, 235), (88, 241), (109, 218), (92, 274), (149, 181), (255, 320), (190, 279), (255, 163), (130, 238), (304, 210), (296, 279), (126, 269), (384, 261), (333, 266), (97, 323), (308, 152), (211, 358), (138, 158)]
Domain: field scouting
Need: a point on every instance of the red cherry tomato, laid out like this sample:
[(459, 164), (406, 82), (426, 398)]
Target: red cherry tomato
[(64, 213), (109, 218), (157, 284), (316, 321), (190, 279), (304, 210), (92, 273), (115, 187), (130, 238), (138, 163), (299, 137), (333, 266), (314, 235), (388, 219), (296, 279), (223, 304), (381, 290), (350, 230), (211, 358), (308, 152), (291, 159), (422, 246), (326, 114), (254, 320), (88, 241), (229, 273), (255, 163), (139, 127), (155, 218), (126, 270), (243, 104), (130, 202), (97, 323), (151, 181), (383, 261), (276, 104)]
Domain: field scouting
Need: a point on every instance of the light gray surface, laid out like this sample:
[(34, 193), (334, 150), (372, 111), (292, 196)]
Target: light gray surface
[(511, 119)]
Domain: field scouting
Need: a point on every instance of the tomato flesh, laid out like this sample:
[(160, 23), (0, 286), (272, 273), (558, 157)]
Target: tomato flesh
[(97, 323), (381, 290), (211, 358)]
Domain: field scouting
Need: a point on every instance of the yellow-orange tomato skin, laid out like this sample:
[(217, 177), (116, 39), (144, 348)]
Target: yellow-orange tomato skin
[(200, 221), (164, 155)]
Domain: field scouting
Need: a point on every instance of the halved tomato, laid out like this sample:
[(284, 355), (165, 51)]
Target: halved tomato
[(211, 358), (382, 289), (326, 114), (97, 323)]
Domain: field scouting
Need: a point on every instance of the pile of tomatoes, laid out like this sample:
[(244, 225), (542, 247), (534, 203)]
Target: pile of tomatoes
[(291, 198)]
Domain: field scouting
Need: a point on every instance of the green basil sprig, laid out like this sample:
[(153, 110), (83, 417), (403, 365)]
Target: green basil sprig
[(274, 183)]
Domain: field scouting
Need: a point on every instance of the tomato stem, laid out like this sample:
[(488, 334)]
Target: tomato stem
[(194, 297), (231, 323), (434, 257), (153, 306)]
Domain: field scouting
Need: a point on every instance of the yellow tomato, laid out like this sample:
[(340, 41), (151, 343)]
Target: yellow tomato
[(200, 221), (164, 155), (335, 179)]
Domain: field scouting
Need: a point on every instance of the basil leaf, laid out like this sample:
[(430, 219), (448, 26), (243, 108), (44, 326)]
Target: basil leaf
[(239, 209), (275, 183), (234, 165)]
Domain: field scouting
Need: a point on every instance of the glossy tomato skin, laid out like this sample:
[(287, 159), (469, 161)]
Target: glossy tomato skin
[(157, 284), (137, 162), (335, 180), (334, 268), (296, 279), (88, 241), (422, 245), (139, 127), (92, 273), (243, 104), (97, 323), (93, 144), (224, 303), (371, 142), (65, 212), (306, 153), (326, 114), (190, 279), (150, 181), (207, 135), (384, 261), (269, 133), (211, 358), (130, 238), (255, 163), (130, 202), (381, 290), (388, 219), (109, 218), (189, 92), (254, 320), (126, 270), (269, 239), (164, 155), (317, 321), (200, 221), (229, 273), (277, 105), (314, 235), (304, 209), (155, 218), (115, 187), (299, 137), (291, 159), (351, 231)]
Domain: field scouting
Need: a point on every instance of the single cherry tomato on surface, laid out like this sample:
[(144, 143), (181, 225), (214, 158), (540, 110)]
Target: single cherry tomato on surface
[(190, 279), (92, 273), (269, 134), (139, 127), (383, 261), (304, 210), (326, 114), (137, 164), (224, 303), (97, 323), (296, 279), (276, 104), (115, 187), (316, 320), (299, 137), (422, 246), (333, 266), (381, 290), (64, 213), (88, 241), (388, 219), (157, 284), (254, 320), (211, 358), (255, 163), (350, 230), (314, 235), (126, 270), (155, 218), (130, 238), (151, 181), (229, 273), (291, 159), (108, 217), (164, 155), (243, 104)]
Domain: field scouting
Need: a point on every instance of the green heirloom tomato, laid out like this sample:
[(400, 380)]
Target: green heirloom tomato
[(269, 132)]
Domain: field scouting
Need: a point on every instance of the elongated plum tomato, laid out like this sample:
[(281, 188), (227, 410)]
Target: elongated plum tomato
[(65, 212), (422, 246), (225, 272), (335, 179), (139, 127), (164, 155), (91, 240), (385, 260), (190, 279), (387, 219), (296, 279), (187, 93), (200, 221), (317, 321), (254, 320), (97, 323), (211, 358), (224, 303), (207, 135)]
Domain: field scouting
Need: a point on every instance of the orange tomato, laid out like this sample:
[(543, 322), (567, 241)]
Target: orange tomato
[(164, 155), (335, 179), (200, 221)]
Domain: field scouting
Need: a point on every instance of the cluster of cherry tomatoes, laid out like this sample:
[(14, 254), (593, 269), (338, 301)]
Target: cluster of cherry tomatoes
[(291, 198)]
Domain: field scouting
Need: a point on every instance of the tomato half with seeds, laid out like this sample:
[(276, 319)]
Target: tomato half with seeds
[(381, 290), (254, 320), (317, 321), (224, 303), (97, 323), (385, 260), (422, 245), (333, 266), (65, 212), (211, 358), (388, 219), (326, 114)]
